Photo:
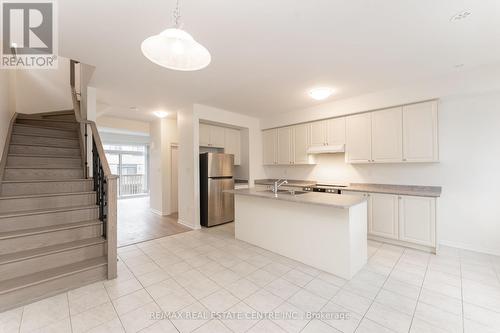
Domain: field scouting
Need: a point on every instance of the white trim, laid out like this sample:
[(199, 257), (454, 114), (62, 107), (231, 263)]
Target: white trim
[(184, 223), (463, 246)]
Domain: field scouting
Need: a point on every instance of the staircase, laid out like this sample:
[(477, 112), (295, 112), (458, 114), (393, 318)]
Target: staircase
[(52, 235)]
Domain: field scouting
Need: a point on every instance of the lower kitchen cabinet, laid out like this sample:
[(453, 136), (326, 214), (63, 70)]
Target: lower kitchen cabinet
[(383, 215), (417, 220), (405, 219)]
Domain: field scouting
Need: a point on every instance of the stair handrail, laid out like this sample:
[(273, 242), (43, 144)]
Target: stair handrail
[(105, 183)]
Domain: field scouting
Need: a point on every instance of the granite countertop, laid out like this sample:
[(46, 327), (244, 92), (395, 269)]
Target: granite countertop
[(415, 190), (330, 200)]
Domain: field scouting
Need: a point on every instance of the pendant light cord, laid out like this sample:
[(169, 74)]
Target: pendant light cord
[(177, 14)]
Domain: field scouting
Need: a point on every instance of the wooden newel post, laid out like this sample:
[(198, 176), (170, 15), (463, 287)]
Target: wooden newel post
[(111, 226)]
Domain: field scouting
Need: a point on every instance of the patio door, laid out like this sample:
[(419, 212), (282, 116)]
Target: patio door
[(130, 162)]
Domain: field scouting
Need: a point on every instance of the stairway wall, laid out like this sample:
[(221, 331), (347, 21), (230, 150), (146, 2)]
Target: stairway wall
[(6, 111)]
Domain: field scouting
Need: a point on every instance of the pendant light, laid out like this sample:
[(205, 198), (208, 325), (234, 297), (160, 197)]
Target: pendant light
[(176, 49)]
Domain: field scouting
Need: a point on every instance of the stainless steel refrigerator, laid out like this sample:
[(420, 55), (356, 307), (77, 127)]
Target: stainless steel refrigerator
[(216, 176)]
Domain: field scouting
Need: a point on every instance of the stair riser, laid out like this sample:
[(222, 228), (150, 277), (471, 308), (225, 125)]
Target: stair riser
[(38, 150), (51, 238), (30, 294), (45, 220), (28, 161), (44, 141), (15, 189), (48, 123), (60, 201), (45, 132), (43, 174)]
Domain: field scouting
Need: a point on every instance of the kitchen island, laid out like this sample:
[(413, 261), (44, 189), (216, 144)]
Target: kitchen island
[(326, 232)]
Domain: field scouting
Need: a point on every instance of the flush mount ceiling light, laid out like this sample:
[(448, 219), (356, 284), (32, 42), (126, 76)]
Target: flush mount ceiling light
[(160, 114), (460, 16), (176, 49), (320, 93)]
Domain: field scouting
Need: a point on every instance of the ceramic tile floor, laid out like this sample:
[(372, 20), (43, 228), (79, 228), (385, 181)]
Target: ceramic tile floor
[(199, 272)]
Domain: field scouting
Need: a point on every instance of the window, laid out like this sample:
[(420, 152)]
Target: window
[(130, 162)]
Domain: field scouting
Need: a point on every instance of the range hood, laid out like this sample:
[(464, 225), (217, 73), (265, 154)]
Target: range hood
[(326, 149)]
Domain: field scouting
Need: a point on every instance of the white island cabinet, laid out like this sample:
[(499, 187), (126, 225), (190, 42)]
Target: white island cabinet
[(327, 232)]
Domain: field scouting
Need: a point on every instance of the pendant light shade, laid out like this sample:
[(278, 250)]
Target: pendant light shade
[(176, 49)]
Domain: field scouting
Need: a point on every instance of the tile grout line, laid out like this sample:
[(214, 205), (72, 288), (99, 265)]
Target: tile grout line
[(144, 288), (419, 293), (21, 321), (381, 287), (462, 291), (69, 312), (114, 308)]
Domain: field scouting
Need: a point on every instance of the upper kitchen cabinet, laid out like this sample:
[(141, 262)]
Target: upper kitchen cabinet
[(387, 135), (212, 136), (285, 145), (329, 132), (335, 131), (420, 132), (204, 135), (359, 138), (317, 133), (269, 145), (300, 144), (232, 144)]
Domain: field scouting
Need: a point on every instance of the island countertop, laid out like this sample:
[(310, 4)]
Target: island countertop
[(414, 190), (331, 200)]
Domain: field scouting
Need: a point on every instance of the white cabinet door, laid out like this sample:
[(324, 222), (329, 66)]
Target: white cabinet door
[(217, 136), (383, 213), (300, 144), (417, 220), (204, 135), (335, 134), (285, 145), (317, 133), (233, 144), (269, 142), (359, 138), (420, 132), (387, 135)]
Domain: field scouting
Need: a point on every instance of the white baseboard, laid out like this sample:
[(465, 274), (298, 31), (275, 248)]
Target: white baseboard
[(470, 248), (184, 223), (157, 212)]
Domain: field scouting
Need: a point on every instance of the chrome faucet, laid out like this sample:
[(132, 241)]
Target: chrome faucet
[(277, 185)]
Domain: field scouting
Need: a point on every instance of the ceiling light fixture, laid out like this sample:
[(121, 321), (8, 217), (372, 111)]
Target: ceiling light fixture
[(321, 93), (176, 49), (460, 16), (160, 114)]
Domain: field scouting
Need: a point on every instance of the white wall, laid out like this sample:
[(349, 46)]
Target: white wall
[(6, 110), (122, 125), (43, 90), (188, 125), (469, 144), (163, 135)]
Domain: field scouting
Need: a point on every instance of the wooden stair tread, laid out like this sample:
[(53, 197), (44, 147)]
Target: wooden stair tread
[(50, 274), (44, 167), (45, 211), (31, 145), (46, 119), (46, 156), (45, 195), (44, 127), (46, 181), (43, 251), (46, 229), (44, 136)]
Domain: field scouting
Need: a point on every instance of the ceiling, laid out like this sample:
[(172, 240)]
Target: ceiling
[(267, 54)]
